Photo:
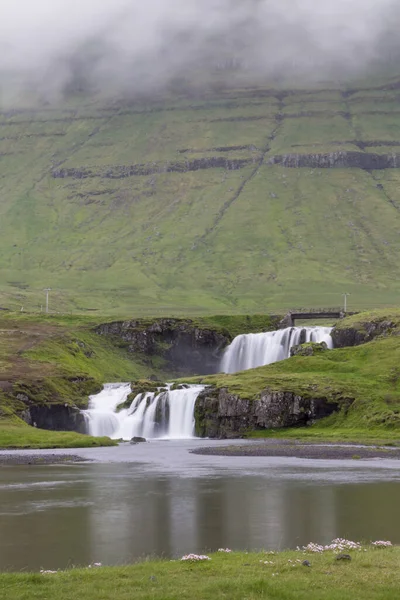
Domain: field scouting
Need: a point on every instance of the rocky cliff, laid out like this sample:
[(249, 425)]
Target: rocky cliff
[(55, 418), (185, 347), (363, 331), (221, 414), (53, 404)]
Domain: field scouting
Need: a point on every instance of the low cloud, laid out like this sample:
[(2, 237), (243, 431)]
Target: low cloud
[(127, 45)]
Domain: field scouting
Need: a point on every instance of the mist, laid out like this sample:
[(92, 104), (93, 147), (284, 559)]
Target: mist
[(126, 46)]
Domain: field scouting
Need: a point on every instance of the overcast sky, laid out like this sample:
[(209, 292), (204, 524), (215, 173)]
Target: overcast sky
[(143, 43)]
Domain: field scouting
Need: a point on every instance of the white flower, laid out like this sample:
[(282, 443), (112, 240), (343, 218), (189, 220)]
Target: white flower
[(47, 571), (382, 544), (337, 545), (224, 550), (195, 557)]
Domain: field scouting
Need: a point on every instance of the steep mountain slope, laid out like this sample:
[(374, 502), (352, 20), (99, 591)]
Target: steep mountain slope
[(241, 199)]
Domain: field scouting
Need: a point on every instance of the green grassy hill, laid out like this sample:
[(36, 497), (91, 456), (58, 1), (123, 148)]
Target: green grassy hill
[(175, 205)]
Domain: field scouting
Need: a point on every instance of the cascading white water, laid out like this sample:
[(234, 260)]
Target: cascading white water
[(252, 350), (167, 413)]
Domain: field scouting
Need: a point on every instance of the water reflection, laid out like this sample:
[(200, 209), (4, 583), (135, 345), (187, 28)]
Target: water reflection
[(53, 517)]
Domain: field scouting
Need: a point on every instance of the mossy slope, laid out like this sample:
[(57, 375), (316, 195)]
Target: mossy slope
[(202, 240)]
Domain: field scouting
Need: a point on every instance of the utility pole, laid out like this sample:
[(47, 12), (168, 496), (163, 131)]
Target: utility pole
[(345, 301), (47, 290)]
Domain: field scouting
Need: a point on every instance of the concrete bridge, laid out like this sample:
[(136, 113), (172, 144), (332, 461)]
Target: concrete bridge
[(289, 320)]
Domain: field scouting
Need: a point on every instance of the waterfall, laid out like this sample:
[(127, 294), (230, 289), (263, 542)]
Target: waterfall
[(252, 350), (166, 413)]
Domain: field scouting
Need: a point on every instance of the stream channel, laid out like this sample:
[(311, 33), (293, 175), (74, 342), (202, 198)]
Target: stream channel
[(158, 499)]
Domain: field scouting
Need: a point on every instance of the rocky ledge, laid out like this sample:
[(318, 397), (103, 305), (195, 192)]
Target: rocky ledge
[(221, 414), (137, 170), (363, 332), (339, 160)]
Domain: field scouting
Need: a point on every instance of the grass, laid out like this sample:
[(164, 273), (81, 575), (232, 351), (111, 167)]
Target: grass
[(18, 435), (338, 435), (259, 239), (372, 317), (371, 575)]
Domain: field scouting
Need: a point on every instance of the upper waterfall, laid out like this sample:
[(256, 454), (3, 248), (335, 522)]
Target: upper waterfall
[(252, 350), (166, 413)]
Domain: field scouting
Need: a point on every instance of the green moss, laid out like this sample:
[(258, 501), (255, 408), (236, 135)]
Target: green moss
[(142, 386), (234, 325), (16, 434), (309, 349)]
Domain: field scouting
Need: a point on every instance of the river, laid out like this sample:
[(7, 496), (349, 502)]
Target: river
[(158, 499)]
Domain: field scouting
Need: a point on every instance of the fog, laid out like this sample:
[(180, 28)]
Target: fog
[(55, 46)]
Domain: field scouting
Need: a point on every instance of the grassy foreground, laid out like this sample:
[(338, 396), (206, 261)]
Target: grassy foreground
[(372, 574)]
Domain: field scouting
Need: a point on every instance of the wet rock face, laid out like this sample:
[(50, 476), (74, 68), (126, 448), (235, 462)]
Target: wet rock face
[(58, 417), (219, 414), (186, 348), (355, 336)]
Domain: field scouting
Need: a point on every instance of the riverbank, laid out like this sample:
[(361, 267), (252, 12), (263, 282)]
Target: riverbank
[(370, 574), (39, 459), (294, 449)]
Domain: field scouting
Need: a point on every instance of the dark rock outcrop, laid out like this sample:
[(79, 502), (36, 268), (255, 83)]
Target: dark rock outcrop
[(339, 160), (365, 332), (56, 417), (185, 348), (220, 414), (123, 171), (286, 322)]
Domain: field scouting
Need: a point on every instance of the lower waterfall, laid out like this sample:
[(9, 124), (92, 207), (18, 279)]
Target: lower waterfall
[(252, 350), (163, 414)]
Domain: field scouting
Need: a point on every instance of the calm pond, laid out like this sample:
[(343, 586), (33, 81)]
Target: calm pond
[(158, 499)]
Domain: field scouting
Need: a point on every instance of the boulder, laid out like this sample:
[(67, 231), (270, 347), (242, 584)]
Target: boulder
[(308, 349)]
